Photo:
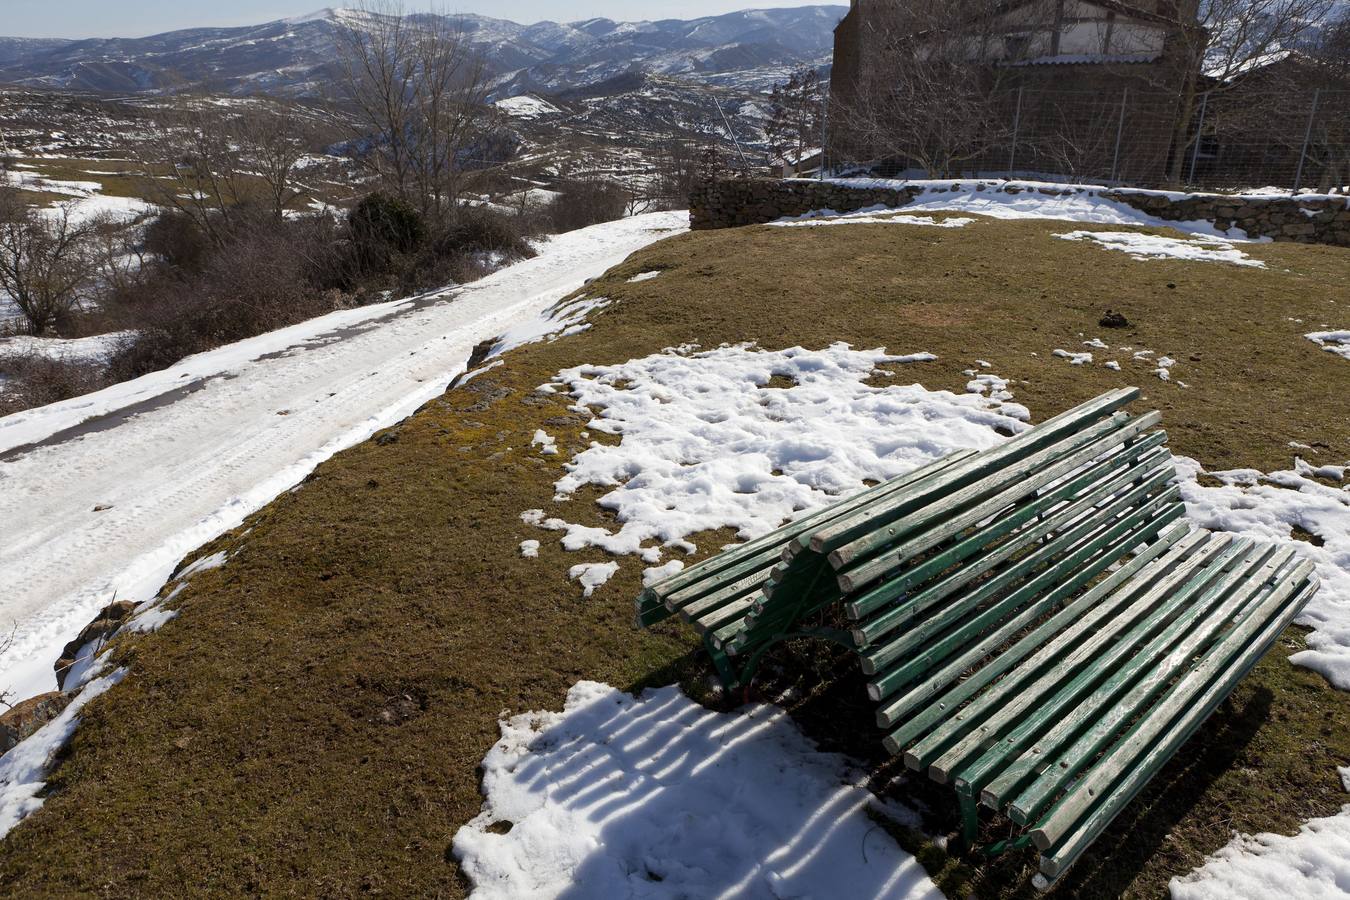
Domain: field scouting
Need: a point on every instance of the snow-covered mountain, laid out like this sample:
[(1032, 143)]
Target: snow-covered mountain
[(295, 56)]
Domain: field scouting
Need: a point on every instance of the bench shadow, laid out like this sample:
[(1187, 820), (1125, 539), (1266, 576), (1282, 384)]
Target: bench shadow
[(665, 797)]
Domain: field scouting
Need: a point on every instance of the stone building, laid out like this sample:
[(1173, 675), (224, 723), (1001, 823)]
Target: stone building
[(1069, 77)]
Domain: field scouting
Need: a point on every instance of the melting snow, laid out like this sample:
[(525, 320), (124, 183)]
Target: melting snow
[(707, 443), (24, 767), (645, 276), (592, 575), (1337, 342), (656, 796), (1151, 246), (1311, 865), (529, 549), (874, 215), (1269, 506)]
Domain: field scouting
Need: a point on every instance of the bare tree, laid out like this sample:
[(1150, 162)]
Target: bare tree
[(1220, 43), (215, 163), (45, 260), (796, 111), (418, 92), (926, 98)]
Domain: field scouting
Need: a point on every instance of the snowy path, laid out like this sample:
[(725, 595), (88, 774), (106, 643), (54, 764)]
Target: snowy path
[(181, 456)]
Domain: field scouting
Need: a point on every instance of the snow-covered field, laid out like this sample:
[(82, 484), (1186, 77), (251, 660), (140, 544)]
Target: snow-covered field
[(177, 457), (657, 797)]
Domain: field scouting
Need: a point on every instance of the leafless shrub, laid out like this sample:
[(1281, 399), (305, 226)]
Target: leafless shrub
[(46, 260), (35, 379), (586, 202), (216, 165)]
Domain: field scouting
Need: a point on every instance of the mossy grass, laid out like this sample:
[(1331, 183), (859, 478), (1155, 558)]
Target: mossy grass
[(312, 722)]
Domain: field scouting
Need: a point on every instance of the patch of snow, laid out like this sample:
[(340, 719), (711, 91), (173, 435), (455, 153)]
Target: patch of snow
[(1097, 344), (654, 574), (645, 276), (1075, 359), (87, 349), (707, 444), (656, 796), (1113, 365), (1337, 342), (592, 575), (1311, 865), (526, 107), (1032, 200), (1151, 246), (24, 768), (547, 444), (529, 549), (874, 215), (185, 454), (1268, 507)]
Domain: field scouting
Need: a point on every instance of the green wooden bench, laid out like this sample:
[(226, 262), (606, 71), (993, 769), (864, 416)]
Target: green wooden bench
[(1039, 626)]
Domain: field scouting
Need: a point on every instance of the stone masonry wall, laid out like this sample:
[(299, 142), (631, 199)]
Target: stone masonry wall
[(732, 203)]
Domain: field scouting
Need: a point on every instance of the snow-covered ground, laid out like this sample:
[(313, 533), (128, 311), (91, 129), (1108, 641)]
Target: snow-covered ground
[(1152, 246), (88, 200), (177, 457), (526, 106), (1032, 200), (657, 797), (1337, 342), (88, 349), (708, 442), (1311, 865), (878, 215)]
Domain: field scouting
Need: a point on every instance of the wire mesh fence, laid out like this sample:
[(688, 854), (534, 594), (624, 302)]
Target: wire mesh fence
[(1257, 138)]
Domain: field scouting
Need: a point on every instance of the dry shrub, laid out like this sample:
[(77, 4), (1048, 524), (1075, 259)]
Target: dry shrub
[(34, 379)]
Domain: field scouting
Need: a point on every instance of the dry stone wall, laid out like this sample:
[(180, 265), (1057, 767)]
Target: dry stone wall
[(732, 203)]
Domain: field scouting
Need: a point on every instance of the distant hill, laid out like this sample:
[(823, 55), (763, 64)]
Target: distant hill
[(295, 56)]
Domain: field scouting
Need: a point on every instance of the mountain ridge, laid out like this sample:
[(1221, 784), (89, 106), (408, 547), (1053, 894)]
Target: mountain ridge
[(294, 56)]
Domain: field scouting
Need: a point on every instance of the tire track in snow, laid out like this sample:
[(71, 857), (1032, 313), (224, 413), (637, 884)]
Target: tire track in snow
[(187, 465)]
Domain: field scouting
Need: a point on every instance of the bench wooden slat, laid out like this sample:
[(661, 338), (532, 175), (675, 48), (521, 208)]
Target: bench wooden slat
[(953, 741), (1092, 548), (873, 599), (1059, 533), (1145, 683), (1038, 625), (1091, 805), (861, 567), (1083, 699), (1065, 627)]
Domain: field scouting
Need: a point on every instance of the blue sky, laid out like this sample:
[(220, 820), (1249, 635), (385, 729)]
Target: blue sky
[(135, 18)]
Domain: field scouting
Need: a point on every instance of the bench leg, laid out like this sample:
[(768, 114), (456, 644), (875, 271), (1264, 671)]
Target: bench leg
[(726, 672), (970, 821)]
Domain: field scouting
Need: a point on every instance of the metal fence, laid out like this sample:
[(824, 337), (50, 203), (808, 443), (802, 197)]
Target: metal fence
[(1290, 140)]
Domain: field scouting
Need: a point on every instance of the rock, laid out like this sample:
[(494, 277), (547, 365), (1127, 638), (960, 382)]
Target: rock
[(104, 625), (28, 716), (1114, 320)]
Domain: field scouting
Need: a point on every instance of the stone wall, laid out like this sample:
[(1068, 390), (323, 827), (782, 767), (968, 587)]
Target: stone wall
[(732, 203)]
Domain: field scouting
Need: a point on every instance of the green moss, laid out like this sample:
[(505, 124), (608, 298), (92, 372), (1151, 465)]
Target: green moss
[(313, 720)]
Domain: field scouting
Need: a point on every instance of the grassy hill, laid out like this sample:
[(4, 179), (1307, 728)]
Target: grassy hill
[(313, 720)]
